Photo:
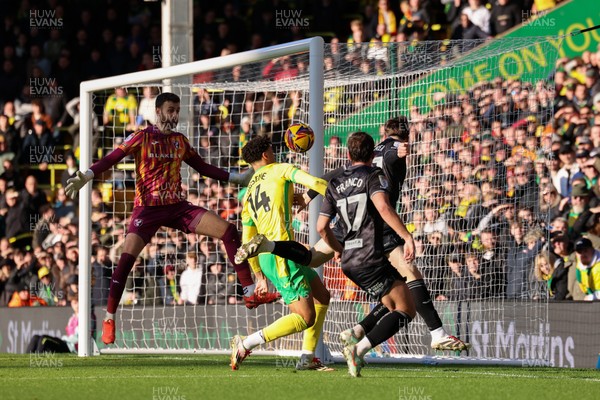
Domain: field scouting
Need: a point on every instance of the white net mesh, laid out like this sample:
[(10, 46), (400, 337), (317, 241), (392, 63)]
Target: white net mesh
[(471, 107), (468, 113), (202, 307)]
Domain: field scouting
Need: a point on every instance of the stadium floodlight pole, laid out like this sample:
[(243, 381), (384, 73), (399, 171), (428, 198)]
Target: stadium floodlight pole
[(157, 75)]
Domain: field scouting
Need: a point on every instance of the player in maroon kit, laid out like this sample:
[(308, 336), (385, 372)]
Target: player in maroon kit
[(159, 201)]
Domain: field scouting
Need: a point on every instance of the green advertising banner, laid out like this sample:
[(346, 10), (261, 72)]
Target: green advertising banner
[(527, 53)]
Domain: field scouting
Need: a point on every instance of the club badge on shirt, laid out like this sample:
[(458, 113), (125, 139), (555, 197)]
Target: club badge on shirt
[(383, 182)]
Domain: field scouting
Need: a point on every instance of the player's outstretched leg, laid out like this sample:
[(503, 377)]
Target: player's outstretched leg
[(440, 339), (318, 255), (131, 249), (289, 250)]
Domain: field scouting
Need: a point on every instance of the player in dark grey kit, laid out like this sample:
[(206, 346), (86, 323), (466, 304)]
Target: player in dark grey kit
[(359, 198), (390, 156)]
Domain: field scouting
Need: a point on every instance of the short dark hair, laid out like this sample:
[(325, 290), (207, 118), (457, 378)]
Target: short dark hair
[(164, 97), (360, 147), (397, 126), (583, 244), (254, 149)]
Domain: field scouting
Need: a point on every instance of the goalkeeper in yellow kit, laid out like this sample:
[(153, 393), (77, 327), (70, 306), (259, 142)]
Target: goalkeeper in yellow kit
[(268, 211)]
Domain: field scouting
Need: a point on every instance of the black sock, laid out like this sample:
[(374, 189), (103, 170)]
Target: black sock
[(424, 304), (369, 322), (292, 251), (387, 327)]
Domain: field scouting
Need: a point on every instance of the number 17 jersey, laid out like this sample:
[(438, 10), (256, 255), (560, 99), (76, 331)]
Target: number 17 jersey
[(349, 196), (270, 196)]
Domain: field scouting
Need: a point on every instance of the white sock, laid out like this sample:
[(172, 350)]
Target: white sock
[(438, 333), (308, 354), (248, 290), (109, 316), (363, 347), (359, 331), (251, 341)]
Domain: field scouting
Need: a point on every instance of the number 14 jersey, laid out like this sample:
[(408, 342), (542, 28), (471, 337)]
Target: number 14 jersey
[(270, 196), (349, 196)]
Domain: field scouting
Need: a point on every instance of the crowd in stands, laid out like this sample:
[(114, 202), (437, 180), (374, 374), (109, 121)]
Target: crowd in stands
[(488, 168)]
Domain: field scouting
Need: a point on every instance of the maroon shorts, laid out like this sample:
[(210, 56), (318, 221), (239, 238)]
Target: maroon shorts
[(146, 220)]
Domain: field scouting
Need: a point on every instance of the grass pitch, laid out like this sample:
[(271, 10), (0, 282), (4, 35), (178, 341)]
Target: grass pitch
[(111, 377)]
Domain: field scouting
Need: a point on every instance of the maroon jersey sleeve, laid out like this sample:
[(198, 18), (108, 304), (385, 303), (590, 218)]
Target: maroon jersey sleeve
[(133, 142), (105, 163)]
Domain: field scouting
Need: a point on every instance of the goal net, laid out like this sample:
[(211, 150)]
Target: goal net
[(182, 295), (481, 129), (479, 118)]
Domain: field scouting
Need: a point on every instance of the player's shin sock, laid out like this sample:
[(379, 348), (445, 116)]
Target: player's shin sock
[(311, 335), (231, 241), (425, 307), (284, 326), (117, 282), (292, 251), (287, 325), (386, 328), (253, 340), (368, 323)]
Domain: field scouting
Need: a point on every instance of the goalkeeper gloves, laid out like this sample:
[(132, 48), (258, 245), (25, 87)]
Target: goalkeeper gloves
[(242, 179), (77, 182)]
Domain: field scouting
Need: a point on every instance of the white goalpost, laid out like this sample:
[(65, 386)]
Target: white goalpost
[(313, 46), (338, 89)]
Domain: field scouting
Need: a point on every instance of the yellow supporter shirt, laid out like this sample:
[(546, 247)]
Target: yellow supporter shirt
[(118, 108), (588, 277)]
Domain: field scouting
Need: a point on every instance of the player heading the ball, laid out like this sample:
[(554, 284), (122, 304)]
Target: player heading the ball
[(267, 210)]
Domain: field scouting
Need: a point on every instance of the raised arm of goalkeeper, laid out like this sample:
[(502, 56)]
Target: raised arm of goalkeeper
[(132, 145)]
